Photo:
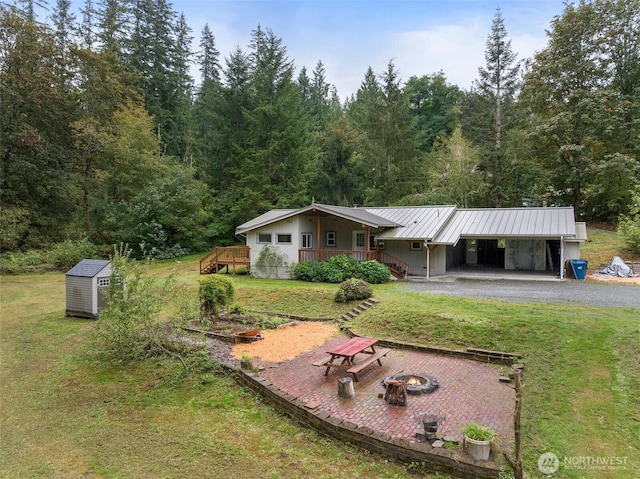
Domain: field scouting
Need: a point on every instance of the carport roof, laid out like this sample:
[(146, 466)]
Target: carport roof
[(508, 223)]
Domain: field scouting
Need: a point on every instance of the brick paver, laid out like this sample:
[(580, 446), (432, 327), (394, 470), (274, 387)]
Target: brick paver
[(469, 391)]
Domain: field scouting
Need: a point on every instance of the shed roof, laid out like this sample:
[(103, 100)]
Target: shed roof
[(551, 222), (88, 268)]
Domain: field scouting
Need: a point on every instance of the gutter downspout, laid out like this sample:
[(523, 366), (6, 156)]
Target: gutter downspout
[(428, 260), (561, 257)]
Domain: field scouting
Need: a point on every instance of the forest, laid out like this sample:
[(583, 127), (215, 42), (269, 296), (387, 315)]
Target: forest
[(106, 137)]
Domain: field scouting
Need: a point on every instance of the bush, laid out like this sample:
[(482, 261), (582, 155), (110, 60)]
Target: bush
[(309, 271), (353, 289), (21, 263), (373, 272), (629, 228), (340, 268), (67, 254), (216, 293), (270, 261)]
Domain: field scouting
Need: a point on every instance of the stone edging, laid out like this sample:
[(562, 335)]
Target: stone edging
[(435, 459)]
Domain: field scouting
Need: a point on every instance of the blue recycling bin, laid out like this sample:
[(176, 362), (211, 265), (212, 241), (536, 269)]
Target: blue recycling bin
[(579, 267)]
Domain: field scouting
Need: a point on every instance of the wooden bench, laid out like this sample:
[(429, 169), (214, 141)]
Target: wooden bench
[(322, 362), (370, 359)]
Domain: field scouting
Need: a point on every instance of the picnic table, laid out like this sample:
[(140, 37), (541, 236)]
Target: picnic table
[(343, 356)]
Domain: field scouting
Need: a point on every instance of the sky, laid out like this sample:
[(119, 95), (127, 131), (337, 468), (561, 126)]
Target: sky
[(421, 37)]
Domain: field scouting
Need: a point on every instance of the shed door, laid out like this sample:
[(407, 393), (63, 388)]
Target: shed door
[(103, 283)]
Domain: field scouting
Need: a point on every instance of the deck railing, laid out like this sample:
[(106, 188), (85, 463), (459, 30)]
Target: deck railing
[(224, 256)]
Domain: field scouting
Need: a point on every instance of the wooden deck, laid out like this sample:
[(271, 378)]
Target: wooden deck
[(225, 256)]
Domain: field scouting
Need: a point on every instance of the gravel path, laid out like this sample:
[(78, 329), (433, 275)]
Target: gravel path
[(570, 292)]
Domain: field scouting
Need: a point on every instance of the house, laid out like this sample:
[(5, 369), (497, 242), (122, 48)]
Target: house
[(85, 283), (417, 240)]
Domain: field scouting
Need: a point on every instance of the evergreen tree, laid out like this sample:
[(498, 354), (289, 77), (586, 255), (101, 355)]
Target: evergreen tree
[(87, 27), (111, 21), (434, 106), (64, 22), (499, 79)]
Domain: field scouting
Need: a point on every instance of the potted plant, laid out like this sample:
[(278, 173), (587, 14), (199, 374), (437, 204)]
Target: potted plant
[(478, 440)]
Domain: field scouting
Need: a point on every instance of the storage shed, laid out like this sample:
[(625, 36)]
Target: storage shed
[(85, 282)]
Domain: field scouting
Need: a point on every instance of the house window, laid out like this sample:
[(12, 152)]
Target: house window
[(331, 239), (284, 239), (102, 282), (264, 237), (416, 245), (471, 245), (380, 244), (502, 243), (359, 240), (307, 241)]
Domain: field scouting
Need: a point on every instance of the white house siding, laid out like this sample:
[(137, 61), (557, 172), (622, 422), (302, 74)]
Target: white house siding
[(290, 226)]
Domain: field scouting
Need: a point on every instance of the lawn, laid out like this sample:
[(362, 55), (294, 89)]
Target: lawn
[(66, 415)]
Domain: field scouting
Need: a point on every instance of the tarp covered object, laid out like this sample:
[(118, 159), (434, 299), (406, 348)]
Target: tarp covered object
[(617, 267)]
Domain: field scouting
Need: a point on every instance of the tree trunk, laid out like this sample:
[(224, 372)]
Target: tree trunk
[(345, 387), (396, 394)]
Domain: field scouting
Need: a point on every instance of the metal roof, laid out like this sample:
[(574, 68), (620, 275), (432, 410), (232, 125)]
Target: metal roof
[(443, 224), (356, 214), (88, 268), (416, 222), (508, 222)]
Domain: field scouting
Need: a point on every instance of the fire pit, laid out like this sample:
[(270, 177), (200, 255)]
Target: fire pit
[(415, 383)]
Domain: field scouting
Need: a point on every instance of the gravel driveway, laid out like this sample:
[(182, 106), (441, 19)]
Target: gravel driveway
[(572, 292)]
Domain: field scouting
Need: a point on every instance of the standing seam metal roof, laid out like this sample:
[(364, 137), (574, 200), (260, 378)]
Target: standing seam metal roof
[(504, 223), (441, 224)]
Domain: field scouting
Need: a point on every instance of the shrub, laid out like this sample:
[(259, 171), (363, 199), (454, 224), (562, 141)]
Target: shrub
[(216, 292), (129, 327), (353, 289), (67, 254), (21, 263), (309, 271), (373, 272), (629, 227), (270, 260), (340, 268)]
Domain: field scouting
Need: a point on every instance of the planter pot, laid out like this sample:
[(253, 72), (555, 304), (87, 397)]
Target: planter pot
[(477, 449)]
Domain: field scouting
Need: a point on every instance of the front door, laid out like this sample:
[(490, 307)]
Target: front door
[(358, 243), (359, 238)]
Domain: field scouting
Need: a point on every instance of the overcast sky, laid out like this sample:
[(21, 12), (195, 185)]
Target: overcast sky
[(421, 36)]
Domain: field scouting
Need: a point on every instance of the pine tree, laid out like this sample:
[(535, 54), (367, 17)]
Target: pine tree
[(499, 81)]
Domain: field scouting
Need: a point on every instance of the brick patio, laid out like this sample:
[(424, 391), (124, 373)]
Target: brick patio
[(469, 391)]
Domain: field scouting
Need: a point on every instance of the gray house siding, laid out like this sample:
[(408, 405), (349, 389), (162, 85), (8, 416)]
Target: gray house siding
[(79, 294)]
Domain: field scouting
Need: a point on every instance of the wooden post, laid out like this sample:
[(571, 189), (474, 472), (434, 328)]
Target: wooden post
[(516, 461), (396, 393), (345, 387)]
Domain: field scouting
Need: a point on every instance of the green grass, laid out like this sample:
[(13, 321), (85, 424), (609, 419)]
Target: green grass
[(602, 246), (65, 415)]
